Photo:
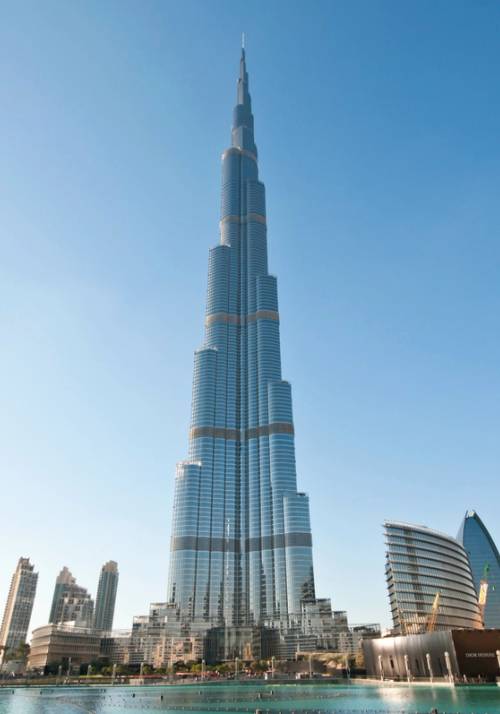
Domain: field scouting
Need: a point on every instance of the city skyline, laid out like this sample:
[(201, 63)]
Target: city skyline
[(383, 239)]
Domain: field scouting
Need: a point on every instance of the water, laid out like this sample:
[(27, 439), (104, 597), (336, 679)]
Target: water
[(239, 699)]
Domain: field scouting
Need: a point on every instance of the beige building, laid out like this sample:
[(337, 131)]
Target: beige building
[(17, 614), (71, 602), (63, 644)]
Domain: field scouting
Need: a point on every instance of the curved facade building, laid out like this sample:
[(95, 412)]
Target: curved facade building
[(420, 563), (485, 563), (241, 552)]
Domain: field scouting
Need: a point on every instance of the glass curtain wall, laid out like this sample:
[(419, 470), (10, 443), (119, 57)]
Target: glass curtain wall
[(241, 551)]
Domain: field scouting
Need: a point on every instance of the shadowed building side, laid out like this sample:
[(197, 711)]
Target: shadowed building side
[(106, 596)]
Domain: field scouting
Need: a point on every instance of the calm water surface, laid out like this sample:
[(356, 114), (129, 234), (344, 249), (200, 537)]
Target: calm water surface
[(237, 699)]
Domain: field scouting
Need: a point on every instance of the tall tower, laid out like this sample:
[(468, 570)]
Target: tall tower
[(106, 596), (71, 602), (241, 551), (17, 613), (64, 582), (485, 564)]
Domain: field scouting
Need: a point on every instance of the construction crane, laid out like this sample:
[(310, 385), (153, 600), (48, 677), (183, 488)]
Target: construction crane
[(431, 622), (483, 591)]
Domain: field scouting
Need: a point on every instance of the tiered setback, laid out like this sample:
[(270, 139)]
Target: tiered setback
[(241, 550)]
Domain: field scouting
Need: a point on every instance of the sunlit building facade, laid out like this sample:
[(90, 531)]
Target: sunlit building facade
[(18, 608), (429, 580), (71, 602), (485, 564), (241, 550), (65, 645)]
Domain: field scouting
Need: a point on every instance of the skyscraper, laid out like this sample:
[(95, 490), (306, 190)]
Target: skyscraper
[(17, 613), (106, 596), (71, 602), (241, 551), (485, 564), (429, 579), (63, 582)]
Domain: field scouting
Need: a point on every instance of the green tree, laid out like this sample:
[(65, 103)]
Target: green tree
[(259, 665), (20, 652)]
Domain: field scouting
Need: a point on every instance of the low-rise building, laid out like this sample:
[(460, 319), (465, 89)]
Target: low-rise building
[(350, 641), (63, 644), (445, 654), (317, 620), (115, 646)]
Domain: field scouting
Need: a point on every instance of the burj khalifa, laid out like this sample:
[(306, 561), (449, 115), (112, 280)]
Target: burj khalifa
[(241, 550)]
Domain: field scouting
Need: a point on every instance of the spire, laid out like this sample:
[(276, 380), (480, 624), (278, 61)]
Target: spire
[(243, 95), (243, 118)]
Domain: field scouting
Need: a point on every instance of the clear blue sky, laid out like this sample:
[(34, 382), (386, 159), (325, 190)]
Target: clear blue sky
[(378, 130)]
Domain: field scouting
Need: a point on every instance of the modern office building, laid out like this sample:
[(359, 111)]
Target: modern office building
[(17, 613), (317, 620), (241, 549), (485, 564), (429, 581), (71, 602), (156, 637), (351, 641), (115, 646), (106, 597)]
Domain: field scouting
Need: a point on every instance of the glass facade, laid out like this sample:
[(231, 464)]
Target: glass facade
[(106, 596), (485, 563), (420, 564), (241, 551)]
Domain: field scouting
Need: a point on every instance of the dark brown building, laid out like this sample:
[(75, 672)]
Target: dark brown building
[(447, 654)]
